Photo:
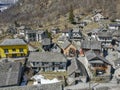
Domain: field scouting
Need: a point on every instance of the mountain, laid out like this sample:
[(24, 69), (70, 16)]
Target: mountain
[(8, 1), (41, 11)]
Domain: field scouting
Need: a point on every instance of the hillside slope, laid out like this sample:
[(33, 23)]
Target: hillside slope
[(41, 11)]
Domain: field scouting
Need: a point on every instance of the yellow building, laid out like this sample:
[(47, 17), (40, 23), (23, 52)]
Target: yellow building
[(13, 48)]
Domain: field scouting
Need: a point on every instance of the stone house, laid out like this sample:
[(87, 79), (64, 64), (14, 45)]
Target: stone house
[(94, 45), (98, 64), (114, 26), (76, 35), (97, 17), (47, 61), (76, 72), (35, 35), (66, 32), (11, 73), (47, 44), (68, 49), (105, 37), (116, 35), (93, 33)]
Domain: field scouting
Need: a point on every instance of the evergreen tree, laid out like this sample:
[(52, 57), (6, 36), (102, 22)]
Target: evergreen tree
[(71, 15), (48, 34), (16, 24)]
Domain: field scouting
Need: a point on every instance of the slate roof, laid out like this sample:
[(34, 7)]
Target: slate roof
[(62, 38), (46, 41), (9, 73), (94, 31), (117, 73), (83, 23), (55, 86), (77, 45), (40, 31), (76, 33), (112, 55), (46, 57), (114, 24), (76, 30), (118, 39), (93, 44), (116, 33), (56, 48), (117, 61), (34, 31), (95, 86), (91, 55), (75, 66), (105, 34), (65, 44), (13, 42)]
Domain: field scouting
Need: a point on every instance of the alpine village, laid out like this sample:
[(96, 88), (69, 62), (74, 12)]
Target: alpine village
[(77, 50)]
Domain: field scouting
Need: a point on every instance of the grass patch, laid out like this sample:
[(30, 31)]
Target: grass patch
[(51, 75), (35, 44)]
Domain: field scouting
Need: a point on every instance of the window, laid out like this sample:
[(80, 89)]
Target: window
[(34, 63), (37, 62), (56, 63), (42, 63), (21, 49), (14, 55), (77, 74), (13, 49), (5, 50), (61, 67), (46, 63), (22, 55)]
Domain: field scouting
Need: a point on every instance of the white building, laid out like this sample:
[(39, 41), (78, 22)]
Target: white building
[(97, 17), (35, 35), (114, 26)]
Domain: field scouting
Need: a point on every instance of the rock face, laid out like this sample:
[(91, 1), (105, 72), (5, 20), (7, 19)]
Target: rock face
[(37, 11)]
